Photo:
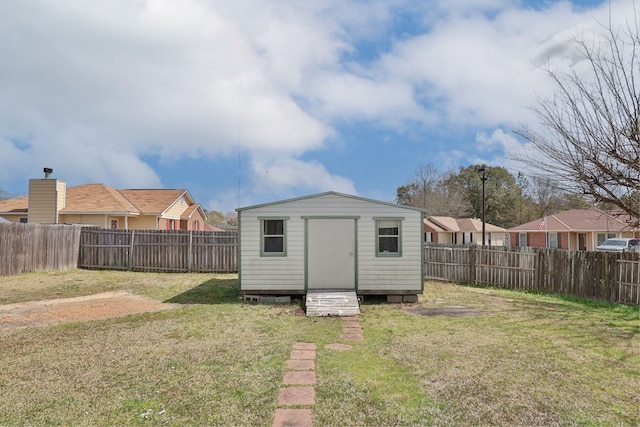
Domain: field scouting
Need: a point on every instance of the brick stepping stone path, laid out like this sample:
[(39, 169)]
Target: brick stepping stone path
[(298, 382), (351, 330), (298, 389)]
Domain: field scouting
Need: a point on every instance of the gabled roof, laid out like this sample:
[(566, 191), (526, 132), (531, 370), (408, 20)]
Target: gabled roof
[(154, 201), (15, 206), (188, 213), (445, 222), (453, 225), (574, 220), (97, 198), (433, 226), (102, 199), (329, 193)]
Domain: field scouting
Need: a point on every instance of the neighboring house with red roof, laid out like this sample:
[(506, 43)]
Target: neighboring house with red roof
[(462, 231), (51, 202), (575, 229)]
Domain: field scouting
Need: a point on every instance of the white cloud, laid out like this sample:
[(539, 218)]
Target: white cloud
[(284, 174), (93, 88), (157, 77)]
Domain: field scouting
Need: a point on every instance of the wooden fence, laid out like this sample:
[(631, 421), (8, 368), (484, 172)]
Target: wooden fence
[(158, 250), (597, 275), (26, 248)]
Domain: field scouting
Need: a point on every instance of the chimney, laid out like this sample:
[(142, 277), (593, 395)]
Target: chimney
[(47, 197)]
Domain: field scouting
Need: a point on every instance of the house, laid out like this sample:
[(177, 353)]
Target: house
[(51, 202), (575, 229), (462, 231), (331, 241)]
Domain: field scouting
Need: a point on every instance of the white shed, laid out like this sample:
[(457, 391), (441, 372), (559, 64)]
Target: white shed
[(331, 241)]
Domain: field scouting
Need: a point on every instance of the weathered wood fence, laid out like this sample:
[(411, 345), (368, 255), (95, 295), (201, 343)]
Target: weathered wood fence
[(597, 275), (158, 250), (26, 248)]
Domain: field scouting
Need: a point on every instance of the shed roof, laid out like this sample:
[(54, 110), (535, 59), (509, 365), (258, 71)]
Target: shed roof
[(329, 193)]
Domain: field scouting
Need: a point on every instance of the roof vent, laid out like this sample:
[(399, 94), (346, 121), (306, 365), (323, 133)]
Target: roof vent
[(47, 172)]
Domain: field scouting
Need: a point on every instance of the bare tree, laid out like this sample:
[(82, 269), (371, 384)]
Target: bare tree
[(592, 143), (434, 192)]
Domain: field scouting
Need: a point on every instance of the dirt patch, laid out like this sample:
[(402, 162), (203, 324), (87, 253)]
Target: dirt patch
[(445, 311), (92, 307)]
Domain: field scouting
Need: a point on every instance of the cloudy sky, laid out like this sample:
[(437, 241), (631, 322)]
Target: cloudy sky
[(249, 101)]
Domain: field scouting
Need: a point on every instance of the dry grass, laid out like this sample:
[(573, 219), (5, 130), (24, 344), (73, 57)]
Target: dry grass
[(514, 359)]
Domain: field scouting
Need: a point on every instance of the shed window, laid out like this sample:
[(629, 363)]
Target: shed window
[(388, 233), (273, 237)]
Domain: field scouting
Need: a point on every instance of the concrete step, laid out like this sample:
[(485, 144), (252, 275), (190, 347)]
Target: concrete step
[(332, 303)]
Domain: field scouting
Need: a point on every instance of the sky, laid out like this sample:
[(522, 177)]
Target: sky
[(251, 101)]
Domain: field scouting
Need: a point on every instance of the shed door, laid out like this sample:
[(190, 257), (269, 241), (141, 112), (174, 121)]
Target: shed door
[(331, 253)]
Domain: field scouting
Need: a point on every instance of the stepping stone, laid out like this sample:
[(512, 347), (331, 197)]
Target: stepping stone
[(351, 337), (349, 318), (301, 365), (303, 354), (352, 330), (293, 417), (299, 377), (297, 396), (338, 346), (304, 346), (351, 325)]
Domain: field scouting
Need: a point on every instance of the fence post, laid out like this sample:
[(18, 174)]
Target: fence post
[(190, 253), (472, 264), (131, 246), (539, 275)]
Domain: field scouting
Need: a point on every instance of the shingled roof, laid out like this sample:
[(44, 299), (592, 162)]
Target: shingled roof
[(100, 198), (21, 204), (592, 219), (97, 198), (446, 223)]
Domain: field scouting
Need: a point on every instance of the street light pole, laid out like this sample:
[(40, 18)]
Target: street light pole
[(483, 177)]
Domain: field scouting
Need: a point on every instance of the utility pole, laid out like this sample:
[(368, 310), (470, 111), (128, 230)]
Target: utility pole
[(483, 177)]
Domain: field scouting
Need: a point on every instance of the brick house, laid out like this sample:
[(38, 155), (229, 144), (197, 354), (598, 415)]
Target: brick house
[(51, 202), (575, 229)]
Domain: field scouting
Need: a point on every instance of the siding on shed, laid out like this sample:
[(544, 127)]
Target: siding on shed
[(374, 273)]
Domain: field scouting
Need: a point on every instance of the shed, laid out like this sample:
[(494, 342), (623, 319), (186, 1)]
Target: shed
[(331, 241)]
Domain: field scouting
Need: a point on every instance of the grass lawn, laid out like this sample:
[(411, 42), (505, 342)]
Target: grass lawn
[(460, 356)]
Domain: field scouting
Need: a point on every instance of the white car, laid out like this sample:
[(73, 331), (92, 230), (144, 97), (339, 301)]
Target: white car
[(620, 244)]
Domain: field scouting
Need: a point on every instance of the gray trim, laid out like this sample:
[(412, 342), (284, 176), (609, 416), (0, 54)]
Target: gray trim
[(239, 252), (330, 217), (306, 247), (333, 193), (284, 236), (422, 255), (389, 254)]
